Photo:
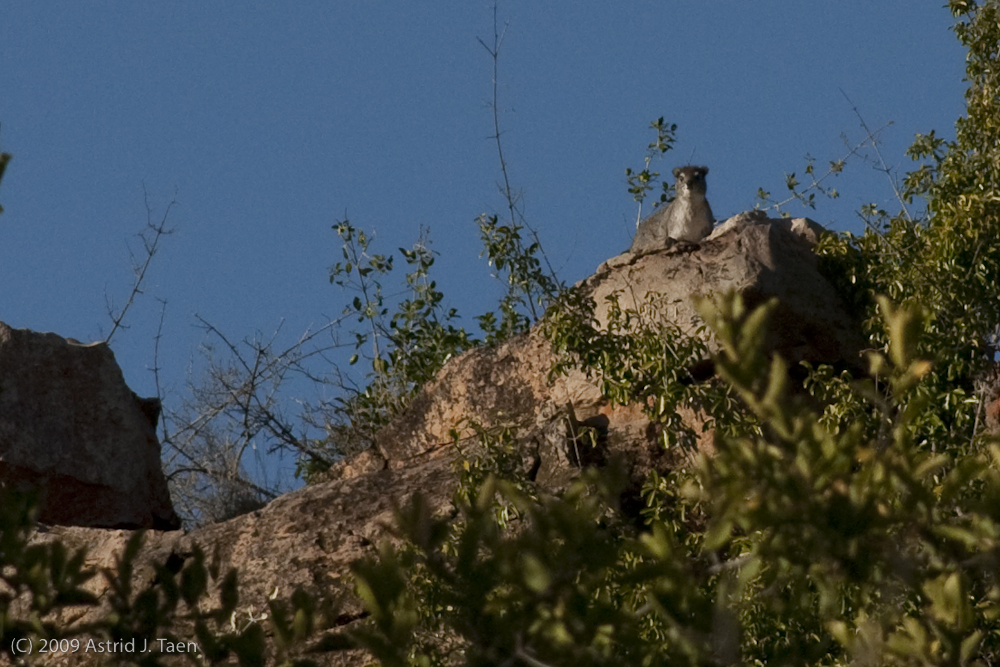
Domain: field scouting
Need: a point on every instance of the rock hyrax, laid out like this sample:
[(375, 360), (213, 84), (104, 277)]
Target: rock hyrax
[(687, 218)]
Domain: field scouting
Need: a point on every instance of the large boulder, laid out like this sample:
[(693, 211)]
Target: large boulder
[(71, 430), (760, 258)]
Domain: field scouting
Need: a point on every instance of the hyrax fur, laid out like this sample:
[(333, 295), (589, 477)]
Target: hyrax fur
[(687, 218)]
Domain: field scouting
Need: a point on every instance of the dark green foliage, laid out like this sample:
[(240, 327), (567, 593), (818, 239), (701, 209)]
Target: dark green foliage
[(641, 182), (530, 287), (841, 521), (544, 593), (640, 357), (44, 589), (844, 521), (946, 265), (406, 340), (175, 607), (821, 547), (404, 349), (40, 577)]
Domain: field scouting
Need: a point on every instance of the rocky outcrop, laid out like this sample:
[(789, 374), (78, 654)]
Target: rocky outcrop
[(304, 538), (756, 256), (309, 537), (760, 258), (71, 430)]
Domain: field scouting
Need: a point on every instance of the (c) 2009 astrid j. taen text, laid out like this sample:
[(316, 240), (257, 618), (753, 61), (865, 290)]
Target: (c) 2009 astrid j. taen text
[(24, 646)]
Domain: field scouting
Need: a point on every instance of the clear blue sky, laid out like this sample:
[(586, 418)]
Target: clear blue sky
[(271, 121)]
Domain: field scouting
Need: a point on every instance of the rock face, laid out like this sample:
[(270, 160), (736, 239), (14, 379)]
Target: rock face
[(310, 536), (306, 538), (73, 431), (507, 385), (756, 256), (760, 258)]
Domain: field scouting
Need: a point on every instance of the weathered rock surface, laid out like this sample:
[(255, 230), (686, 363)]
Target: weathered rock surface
[(71, 429), (306, 538), (309, 537), (508, 385), (760, 258), (756, 256)]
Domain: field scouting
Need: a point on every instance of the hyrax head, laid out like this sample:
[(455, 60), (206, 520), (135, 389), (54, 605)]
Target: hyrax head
[(691, 178)]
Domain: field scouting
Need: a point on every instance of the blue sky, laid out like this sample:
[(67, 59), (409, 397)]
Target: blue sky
[(271, 121)]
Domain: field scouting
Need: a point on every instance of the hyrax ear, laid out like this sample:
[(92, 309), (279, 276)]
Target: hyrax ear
[(704, 171), (677, 172)]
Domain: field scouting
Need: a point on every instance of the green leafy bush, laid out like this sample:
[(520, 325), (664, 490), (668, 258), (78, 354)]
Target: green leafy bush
[(822, 546), (840, 521), (849, 520), (407, 340)]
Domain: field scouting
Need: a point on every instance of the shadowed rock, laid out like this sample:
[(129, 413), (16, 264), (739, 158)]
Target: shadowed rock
[(72, 430)]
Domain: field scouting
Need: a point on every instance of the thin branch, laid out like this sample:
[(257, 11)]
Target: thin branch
[(884, 168), (244, 394), (156, 364), (512, 199), (202, 470), (494, 52), (817, 184), (150, 247)]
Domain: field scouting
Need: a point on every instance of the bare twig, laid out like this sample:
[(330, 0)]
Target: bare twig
[(156, 364), (513, 199), (817, 183), (494, 52), (150, 237), (872, 137), (236, 408)]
